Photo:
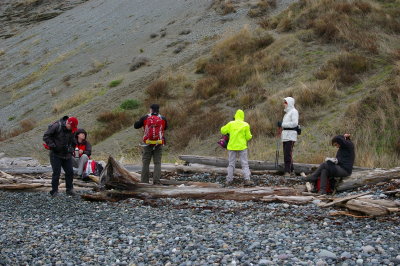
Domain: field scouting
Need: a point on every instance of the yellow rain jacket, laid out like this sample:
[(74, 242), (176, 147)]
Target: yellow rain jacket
[(239, 132)]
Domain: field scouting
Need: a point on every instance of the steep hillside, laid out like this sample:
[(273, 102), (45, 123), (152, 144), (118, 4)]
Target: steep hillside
[(105, 61)]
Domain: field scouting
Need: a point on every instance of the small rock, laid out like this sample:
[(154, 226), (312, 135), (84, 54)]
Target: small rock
[(263, 262), (360, 261), (327, 254), (185, 32), (153, 35), (345, 255), (368, 249)]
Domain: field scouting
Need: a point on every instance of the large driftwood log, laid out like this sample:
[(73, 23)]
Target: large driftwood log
[(253, 164), (366, 207), (369, 177), (116, 176), (20, 186), (193, 192)]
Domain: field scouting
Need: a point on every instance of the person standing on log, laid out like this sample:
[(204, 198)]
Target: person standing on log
[(239, 134), (59, 138), (341, 166), (154, 126), (288, 126), (83, 150)]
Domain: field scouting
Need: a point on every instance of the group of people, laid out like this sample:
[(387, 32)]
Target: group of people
[(63, 138), (69, 148), (239, 134)]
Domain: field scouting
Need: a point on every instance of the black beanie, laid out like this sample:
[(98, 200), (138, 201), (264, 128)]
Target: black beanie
[(155, 107)]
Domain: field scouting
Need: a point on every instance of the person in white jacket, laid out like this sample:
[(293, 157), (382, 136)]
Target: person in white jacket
[(289, 124)]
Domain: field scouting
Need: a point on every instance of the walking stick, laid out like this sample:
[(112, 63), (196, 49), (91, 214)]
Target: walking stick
[(279, 131)]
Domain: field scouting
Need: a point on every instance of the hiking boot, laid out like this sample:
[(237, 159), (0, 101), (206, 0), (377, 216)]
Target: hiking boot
[(54, 193), (248, 183), (286, 174), (228, 183), (85, 177), (71, 193), (322, 192), (309, 187), (156, 182)]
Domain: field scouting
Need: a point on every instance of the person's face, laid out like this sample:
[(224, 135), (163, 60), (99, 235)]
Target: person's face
[(336, 145), (81, 136), (68, 125), (285, 103)]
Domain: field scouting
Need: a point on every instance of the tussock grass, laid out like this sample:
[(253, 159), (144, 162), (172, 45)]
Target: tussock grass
[(343, 68), (73, 101), (157, 89), (24, 126), (111, 123), (353, 22)]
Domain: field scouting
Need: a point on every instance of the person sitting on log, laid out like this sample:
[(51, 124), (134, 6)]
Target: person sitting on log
[(341, 166), (239, 134), (83, 150)]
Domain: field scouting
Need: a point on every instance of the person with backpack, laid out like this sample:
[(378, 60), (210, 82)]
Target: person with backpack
[(239, 134), (154, 126), (83, 150), (288, 128), (341, 166), (59, 138)]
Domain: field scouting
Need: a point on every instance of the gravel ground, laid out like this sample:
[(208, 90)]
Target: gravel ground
[(38, 230)]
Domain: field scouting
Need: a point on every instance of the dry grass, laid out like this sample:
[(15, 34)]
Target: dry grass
[(24, 126), (343, 68), (224, 7), (353, 22), (261, 8), (112, 122), (73, 101), (260, 123), (317, 93), (157, 89)]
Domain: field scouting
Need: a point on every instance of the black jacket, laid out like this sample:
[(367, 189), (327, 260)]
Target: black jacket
[(60, 140), (345, 154)]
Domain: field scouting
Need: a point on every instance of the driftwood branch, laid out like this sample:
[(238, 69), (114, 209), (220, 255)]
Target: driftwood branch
[(253, 164)]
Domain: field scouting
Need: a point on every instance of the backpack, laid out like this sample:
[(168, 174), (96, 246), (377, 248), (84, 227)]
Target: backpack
[(92, 168), (223, 141), (153, 131), (58, 129)]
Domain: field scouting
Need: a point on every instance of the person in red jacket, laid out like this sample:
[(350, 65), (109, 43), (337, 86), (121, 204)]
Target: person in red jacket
[(154, 126), (83, 150)]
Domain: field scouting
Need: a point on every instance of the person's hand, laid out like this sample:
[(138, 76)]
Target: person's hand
[(347, 136), (80, 152), (279, 123)]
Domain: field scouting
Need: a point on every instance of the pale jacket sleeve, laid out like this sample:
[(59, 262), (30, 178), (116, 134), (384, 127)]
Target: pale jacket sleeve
[(225, 129), (248, 133), (293, 120)]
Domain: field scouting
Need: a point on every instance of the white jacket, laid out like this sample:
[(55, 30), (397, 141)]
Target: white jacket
[(290, 120)]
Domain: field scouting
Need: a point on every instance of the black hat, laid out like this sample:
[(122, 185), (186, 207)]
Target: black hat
[(155, 107)]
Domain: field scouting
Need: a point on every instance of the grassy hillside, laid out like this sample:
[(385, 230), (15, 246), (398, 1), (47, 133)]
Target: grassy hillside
[(340, 60)]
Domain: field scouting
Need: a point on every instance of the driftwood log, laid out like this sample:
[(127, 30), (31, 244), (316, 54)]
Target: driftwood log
[(115, 176), (253, 164), (369, 177)]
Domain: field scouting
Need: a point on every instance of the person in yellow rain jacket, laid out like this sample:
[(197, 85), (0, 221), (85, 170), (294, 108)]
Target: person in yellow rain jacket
[(239, 135)]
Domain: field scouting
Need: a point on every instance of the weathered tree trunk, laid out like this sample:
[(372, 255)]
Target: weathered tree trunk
[(191, 192), (366, 207), (254, 165), (116, 176), (369, 177)]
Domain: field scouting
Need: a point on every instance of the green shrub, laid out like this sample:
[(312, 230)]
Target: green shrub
[(115, 83), (130, 104)]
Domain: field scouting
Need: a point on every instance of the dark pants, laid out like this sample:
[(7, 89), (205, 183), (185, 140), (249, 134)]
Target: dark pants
[(323, 171), (66, 164), (148, 152), (288, 156)]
